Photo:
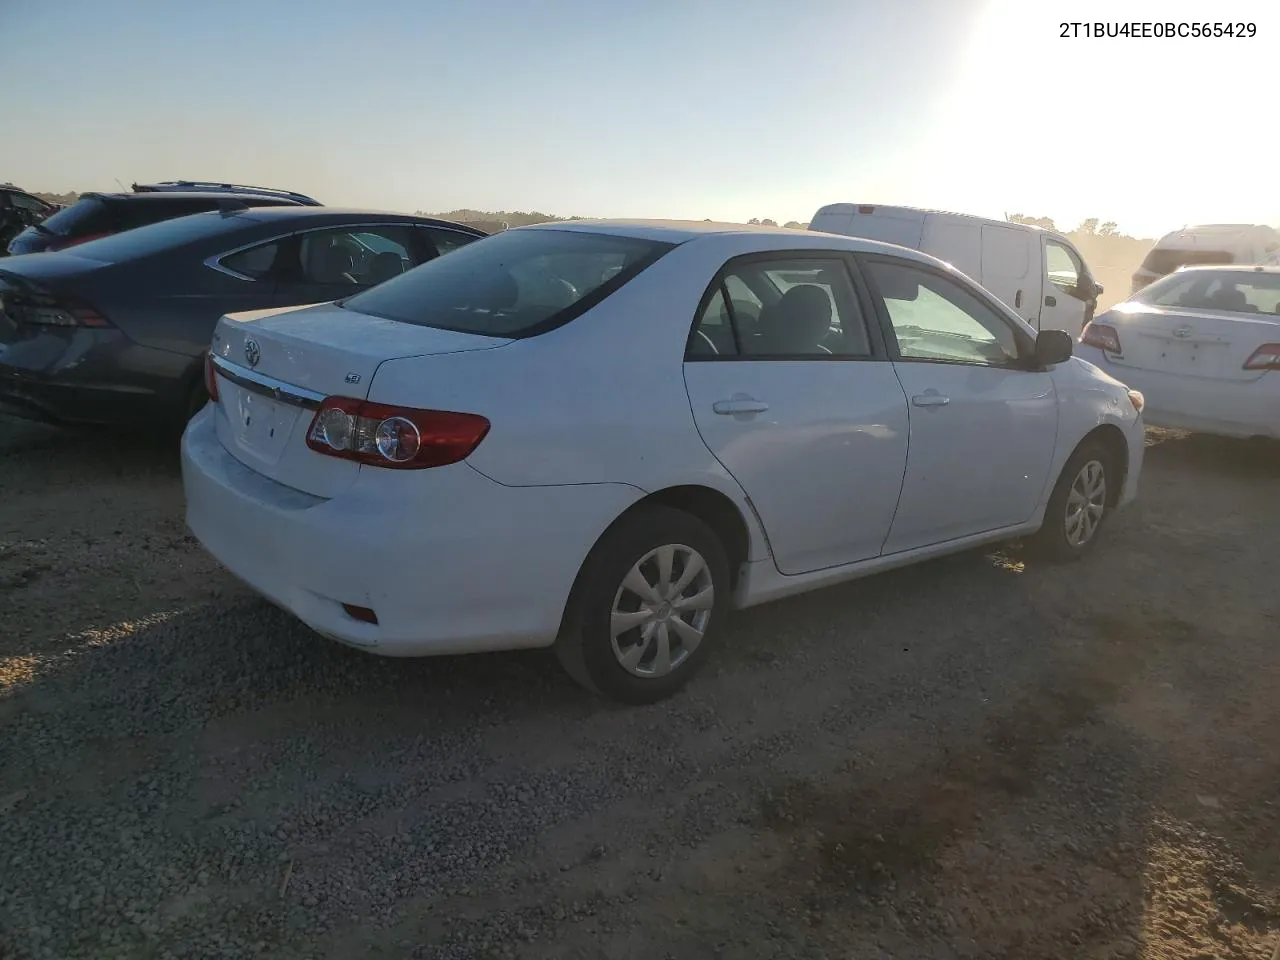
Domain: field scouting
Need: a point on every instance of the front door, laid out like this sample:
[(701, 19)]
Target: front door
[(983, 425), (1069, 300), (796, 398)]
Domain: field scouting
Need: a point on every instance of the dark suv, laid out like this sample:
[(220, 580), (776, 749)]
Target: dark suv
[(96, 215), (19, 210)]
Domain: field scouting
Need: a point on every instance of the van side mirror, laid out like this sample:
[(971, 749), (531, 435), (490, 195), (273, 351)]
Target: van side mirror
[(1053, 346)]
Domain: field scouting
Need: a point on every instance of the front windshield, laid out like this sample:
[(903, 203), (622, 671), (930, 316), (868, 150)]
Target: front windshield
[(1230, 291), (515, 284)]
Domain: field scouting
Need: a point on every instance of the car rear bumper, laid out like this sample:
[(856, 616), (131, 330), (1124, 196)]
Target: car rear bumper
[(82, 376), (1221, 407), (448, 560)]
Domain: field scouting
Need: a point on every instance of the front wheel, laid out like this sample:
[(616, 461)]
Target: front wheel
[(1080, 502), (649, 601)]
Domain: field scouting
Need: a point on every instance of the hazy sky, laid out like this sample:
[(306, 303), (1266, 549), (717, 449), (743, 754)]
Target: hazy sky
[(727, 109)]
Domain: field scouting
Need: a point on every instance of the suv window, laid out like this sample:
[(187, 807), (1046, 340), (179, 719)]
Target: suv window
[(1166, 261), (804, 309), (934, 318), (357, 257), (516, 284), (31, 204)]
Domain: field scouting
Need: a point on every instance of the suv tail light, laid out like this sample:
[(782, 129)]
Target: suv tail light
[(382, 435), (210, 377), (41, 308), (1266, 357), (1101, 335)]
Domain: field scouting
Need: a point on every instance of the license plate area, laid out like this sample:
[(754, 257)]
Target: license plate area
[(260, 426), (1195, 358)]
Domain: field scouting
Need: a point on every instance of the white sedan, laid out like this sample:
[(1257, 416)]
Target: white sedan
[(1202, 345), (604, 436)]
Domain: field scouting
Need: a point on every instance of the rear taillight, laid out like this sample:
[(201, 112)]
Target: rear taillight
[(382, 435), (54, 311), (1101, 335), (210, 377), (1266, 357)]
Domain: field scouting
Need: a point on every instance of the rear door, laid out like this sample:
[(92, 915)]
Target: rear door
[(801, 406)]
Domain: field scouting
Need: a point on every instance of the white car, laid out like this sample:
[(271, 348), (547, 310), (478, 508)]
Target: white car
[(606, 435), (1203, 347)]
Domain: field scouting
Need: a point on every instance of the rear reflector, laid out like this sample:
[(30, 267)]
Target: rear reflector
[(1101, 335), (404, 438), (1266, 357), (210, 377), (363, 614)]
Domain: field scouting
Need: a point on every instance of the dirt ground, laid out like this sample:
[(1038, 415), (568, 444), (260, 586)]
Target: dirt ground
[(976, 757)]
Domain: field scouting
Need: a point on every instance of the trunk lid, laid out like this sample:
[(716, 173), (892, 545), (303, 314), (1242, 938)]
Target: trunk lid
[(1194, 343), (279, 364)]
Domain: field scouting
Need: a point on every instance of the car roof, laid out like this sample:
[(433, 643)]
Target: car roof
[(681, 231), (321, 214), (156, 196)]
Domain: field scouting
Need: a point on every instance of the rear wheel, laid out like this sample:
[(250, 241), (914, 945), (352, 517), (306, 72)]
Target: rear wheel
[(1080, 502), (649, 601)]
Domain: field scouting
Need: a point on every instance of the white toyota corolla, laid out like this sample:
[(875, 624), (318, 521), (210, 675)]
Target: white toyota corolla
[(606, 435)]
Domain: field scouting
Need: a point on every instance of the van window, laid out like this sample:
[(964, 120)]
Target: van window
[(1005, 253), (1062, 267)]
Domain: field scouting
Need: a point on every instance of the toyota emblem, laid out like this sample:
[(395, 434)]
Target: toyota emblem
[(252, 352), (1182, 333)]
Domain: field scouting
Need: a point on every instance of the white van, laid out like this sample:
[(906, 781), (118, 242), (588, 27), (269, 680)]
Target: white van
[(1208, 244), (1036, 272)]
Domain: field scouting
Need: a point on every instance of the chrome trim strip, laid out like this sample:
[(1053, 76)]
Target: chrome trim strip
[(268, 386)]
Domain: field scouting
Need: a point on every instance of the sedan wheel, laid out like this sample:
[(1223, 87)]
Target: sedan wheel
[(1078, 506), (661, 610), (646, 605), (1086, 503)]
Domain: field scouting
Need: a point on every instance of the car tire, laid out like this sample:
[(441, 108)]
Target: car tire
[(1079, 505), (647, 606)]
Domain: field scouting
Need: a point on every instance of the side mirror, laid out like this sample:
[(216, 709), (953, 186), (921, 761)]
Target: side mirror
[(1052, 346)]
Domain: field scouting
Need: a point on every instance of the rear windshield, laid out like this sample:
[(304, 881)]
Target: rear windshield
[(515, 284), (1166, 261), (1232, 291), (155, 237), (83, 216)]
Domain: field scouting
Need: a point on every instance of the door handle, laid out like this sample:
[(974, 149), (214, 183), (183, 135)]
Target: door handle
[(1017, 299), (738, 406), (1050, 301), (930, 400)]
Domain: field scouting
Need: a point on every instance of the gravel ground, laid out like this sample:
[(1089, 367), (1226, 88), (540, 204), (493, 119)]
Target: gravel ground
[(972, 758)]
